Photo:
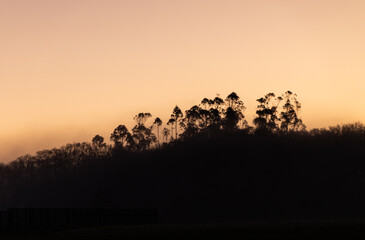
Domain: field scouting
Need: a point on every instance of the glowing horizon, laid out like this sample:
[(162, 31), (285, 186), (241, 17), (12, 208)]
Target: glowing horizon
[(72, 69)]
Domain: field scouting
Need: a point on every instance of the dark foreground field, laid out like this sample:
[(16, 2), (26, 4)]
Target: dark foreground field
[(227, 177), (303, 230)]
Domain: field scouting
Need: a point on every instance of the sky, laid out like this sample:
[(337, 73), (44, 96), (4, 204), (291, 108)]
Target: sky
[(72, 69)]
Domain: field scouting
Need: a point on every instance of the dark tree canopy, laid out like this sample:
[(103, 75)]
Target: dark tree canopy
[(157, 123), (98, 140), (289, 115), (141, 118), (121, 136), (234, 111), (267, 113)]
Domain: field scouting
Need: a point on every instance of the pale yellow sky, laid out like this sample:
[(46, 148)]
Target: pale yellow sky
[(75, 68)]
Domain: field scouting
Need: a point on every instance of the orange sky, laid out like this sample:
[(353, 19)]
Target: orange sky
[(71, 69)]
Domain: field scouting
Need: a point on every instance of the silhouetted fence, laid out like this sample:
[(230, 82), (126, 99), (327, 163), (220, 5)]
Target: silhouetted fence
[(45, 219)]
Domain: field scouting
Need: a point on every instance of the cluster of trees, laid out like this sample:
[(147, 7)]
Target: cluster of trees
[(278, 113), (206, 162), (273, 115)]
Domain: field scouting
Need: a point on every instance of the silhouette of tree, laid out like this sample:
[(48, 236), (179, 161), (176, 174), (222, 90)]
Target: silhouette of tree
[(233, 101), (99, 148), (356, 129), (218, 102), (267, 113), (121, 136), (206, 103), (215, 120), (141, 118), (176, 117), (98, 141), (352, 130), (143, 137), (215, 114), (192, 121), (171, 123), (165, 133), (289, 118), (158, 123), (234, 112), (207, 116), (204, 112)]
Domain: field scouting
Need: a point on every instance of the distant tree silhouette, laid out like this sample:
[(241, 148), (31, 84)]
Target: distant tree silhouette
[(206, 103), (192, 121), (267, 113), (234, 111), (171, 123), (158, 123), (216, 113), (121, 136), (141, 118), (352, 130), (218, 102), (289, 117), (211, 116), (210, 112), (204, 112), (165, 133), (98, 141), (176, 117), (143, 136)]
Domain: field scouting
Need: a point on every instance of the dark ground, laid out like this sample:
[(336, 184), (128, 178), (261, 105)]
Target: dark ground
[(346, 230), (306, 178)]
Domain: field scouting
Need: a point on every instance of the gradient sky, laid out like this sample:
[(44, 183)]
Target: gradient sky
[(71, 69)]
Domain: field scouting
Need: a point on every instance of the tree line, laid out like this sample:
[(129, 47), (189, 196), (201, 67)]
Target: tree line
[(205, 161), (273, 115)]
